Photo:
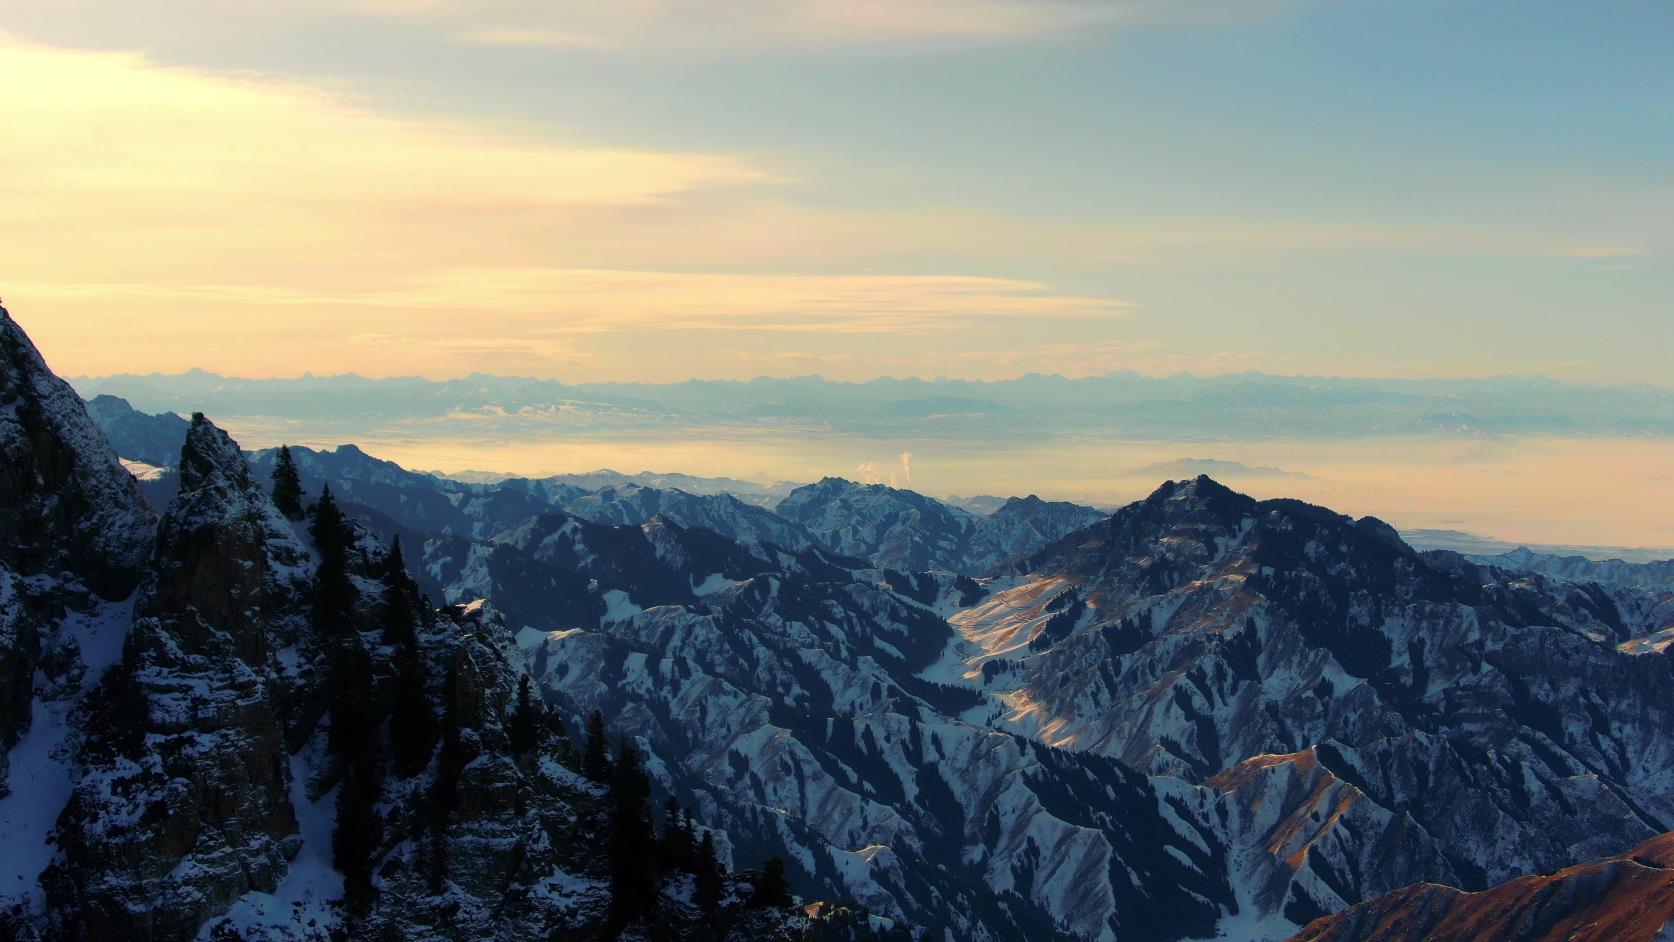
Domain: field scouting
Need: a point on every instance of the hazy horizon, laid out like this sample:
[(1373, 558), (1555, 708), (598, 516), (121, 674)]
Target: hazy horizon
[(444, 377), (1417, 258)]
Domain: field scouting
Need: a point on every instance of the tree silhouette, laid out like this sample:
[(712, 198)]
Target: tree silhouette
[(399, 609), (287, 485), (707, 869), (334, 594), (676, 849), (772, 892), (525, 726), (595, 761), (354, 742), (633, 876), (444, 793)]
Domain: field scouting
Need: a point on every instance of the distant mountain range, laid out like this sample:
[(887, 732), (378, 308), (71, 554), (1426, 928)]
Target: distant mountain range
[(1173, 407), (1200, 716), (155, 440), (1472, 545)]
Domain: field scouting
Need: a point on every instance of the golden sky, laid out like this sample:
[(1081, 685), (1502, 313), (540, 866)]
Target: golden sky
[(665, 189)]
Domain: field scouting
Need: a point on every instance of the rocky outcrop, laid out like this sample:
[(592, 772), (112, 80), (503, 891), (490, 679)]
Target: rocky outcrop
[(74, 534), (68, 510), (193, 778)]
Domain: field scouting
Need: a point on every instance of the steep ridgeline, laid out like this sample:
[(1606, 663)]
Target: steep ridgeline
[(420, 502), (1358, 716), (1643, 592), (426, 504), (153, 439), (294, 748), (277, 740), (903, 530), (1621, 899), (74, 535), (68, 510), (183, 753), (893, 529), (784, 702), (721, 513), (1657, 577)]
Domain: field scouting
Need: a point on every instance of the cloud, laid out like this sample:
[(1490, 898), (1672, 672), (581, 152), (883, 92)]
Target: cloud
[(703, 25), (1214, 467), (164, 218), (1093, 358), (534, 37)]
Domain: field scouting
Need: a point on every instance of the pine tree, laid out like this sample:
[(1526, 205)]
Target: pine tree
[(354, 742), (525, 728), (412, 725), (399, 611), (707, 868), (772, 892), (444, 794), (595, 762), (674, 850), (335, 594), (287, 485), (633, 885), (355, 840)]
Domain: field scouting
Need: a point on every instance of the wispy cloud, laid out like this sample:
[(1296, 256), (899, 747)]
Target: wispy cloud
[(797, 24), (218, 209), (1100, 357)]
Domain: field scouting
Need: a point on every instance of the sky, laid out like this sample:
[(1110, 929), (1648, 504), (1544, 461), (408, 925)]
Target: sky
[(665, 189)]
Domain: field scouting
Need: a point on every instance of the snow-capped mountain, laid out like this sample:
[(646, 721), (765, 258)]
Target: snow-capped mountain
[(229, 724), (904, 530), (790, 705), (1360, 716), (720, 513), (1654, 576), (1202, 716), (138, 436)]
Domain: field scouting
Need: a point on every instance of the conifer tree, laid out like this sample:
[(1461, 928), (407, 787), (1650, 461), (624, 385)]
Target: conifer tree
[(412, 726), (354, 742), (772, 892), (707, 868), (444, 794), (335, 594), (287, 485), (595, 762), (399, 611), (674, 851), (633, 884), (525, 724)]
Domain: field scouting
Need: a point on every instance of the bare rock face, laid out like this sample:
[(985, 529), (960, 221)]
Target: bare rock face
[(193, 780), (74, 531), (67, 506), (515, 856), (1629, 898)]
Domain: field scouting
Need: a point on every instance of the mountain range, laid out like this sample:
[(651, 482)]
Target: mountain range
[(1200, 716), (1120, 404)]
